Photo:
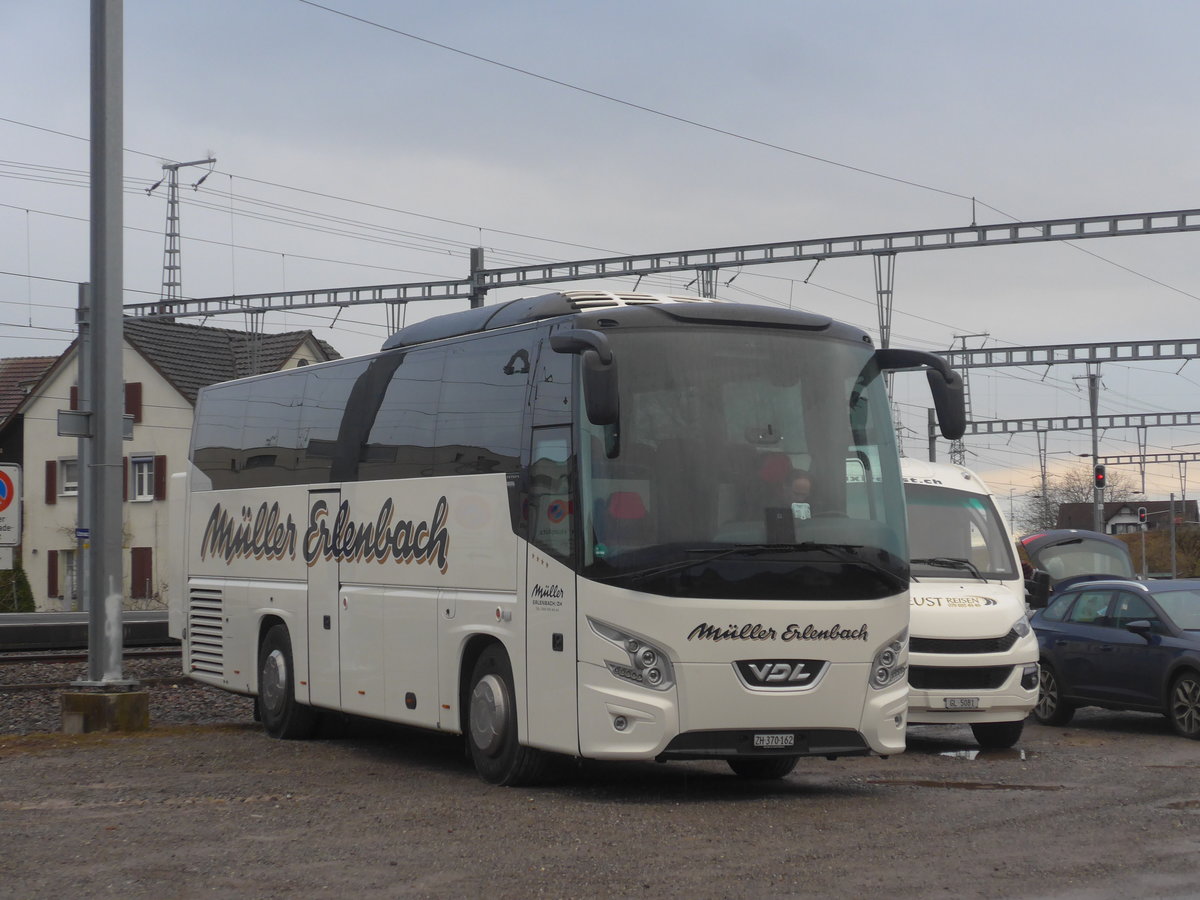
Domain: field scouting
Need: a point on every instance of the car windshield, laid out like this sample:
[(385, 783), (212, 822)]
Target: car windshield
[(1183, 606)]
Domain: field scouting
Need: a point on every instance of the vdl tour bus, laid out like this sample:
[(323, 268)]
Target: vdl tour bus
[(566, 526)]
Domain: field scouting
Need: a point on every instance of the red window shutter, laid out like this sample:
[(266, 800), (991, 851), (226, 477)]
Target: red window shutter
[(160, 478), (51, 482), (141, 572), (133, 400), (52, 573), (74, 396), (124, 478)]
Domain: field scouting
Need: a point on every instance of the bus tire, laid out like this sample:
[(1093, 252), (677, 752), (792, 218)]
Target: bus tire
[(763, 767), (1051, 709), (997, 735), (492, 740), (282, 715)]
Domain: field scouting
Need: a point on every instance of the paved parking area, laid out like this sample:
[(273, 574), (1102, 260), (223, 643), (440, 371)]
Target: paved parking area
[(1108, 807)]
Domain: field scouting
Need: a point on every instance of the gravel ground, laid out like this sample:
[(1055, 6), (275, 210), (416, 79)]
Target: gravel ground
[(173, 700)]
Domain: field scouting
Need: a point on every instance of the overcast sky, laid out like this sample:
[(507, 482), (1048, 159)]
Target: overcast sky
[(355, 151)]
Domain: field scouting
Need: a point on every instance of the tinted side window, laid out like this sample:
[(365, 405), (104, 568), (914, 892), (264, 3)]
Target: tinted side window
[(270, 436), (1058, 607), (401, 442), (217, 436), (1131, 608), (552, 387), (326, 391), (484, 393), (1091, 608)]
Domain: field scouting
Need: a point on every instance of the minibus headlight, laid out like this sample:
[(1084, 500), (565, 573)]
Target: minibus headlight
[(1021, 626), (891, 662), (645, 664)]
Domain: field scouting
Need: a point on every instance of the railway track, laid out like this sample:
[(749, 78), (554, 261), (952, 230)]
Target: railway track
[(40, 670)]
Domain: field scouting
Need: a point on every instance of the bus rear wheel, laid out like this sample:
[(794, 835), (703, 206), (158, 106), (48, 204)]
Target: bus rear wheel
[(282, 716), (763, 768), (492, 725)]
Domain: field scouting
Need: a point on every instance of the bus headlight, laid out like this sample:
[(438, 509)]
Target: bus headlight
[(891, 662), (644, 664)]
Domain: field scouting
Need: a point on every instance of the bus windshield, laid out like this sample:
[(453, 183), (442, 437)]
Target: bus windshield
[(748, 463), (948, 526)]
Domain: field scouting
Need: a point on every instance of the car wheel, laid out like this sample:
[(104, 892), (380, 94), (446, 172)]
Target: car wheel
[(1184, 709), (1051, 709), (492, 725), (997, 735), (282, 716), (763, 768)]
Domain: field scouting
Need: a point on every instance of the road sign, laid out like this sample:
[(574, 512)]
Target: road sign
[(10, 506)]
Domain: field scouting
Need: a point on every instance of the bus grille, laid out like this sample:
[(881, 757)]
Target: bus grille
[(973, 645), (206, 646), (955, 678)]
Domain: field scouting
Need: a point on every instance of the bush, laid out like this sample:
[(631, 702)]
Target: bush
[(15, 593)]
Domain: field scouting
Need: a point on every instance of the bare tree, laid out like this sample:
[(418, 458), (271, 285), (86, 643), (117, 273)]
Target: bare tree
[(1040, 513)]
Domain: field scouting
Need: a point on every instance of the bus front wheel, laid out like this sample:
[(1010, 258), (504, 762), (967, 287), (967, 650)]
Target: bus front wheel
[(492, 725), (282, 716), (763, 768)]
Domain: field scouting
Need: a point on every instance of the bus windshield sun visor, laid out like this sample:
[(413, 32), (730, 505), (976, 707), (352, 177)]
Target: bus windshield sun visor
[(944, 383), (599, 372)]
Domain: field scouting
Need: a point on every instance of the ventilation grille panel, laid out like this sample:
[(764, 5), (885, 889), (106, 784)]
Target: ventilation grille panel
[(206, 635)]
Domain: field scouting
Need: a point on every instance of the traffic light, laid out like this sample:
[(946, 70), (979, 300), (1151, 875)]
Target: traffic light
[(1100, 477), (1141, 515)]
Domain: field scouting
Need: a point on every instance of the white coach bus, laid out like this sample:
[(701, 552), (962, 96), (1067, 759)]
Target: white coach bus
[(564, 526)]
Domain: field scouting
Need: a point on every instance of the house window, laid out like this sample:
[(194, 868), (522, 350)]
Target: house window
[(68, 475), (142, 472)]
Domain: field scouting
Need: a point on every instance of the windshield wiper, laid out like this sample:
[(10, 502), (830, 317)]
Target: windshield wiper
[(950, 562), (842, 552)]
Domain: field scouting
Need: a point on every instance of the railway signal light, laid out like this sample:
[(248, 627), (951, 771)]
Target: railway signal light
[(1141, 515), (1100, 477)]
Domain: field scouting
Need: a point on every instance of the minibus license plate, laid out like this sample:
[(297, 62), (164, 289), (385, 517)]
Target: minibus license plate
[(774, 740), (962, 702)]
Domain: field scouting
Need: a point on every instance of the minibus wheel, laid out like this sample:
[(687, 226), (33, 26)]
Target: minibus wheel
[(282, 716), (492, 724), (997, 735)]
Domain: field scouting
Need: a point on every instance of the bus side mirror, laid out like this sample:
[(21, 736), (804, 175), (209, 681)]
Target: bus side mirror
[(599, 372), (944, 383)]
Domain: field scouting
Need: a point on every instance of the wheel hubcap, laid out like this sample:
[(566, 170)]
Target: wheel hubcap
[(489, 713), (1047, 695), (1185, 705), (273, 690)]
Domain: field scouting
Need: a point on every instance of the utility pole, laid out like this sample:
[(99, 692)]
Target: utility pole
[(172, 284), (106, 701)]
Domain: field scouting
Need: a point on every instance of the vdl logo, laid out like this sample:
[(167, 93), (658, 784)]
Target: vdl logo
[(780, 674)]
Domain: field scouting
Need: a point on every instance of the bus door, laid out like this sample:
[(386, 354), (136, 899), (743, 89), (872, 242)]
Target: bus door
[(324, 588), (550, 594)]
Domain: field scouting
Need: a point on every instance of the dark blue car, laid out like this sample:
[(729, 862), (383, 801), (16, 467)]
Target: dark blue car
[(1121, 644)]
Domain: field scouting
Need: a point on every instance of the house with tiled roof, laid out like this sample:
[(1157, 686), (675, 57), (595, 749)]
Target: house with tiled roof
[(164, 365), (17, 378), (1121, 516)]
